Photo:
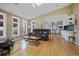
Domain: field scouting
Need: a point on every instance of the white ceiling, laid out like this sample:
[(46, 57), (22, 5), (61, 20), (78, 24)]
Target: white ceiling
[(26, 10)]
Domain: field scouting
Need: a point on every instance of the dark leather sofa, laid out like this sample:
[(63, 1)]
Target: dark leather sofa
[(5, 46), (43, 33)]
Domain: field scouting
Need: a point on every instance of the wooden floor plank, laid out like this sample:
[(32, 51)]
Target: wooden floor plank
[(56, 46)]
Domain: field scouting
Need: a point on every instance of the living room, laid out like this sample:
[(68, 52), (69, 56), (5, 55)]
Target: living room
[(33, 31)]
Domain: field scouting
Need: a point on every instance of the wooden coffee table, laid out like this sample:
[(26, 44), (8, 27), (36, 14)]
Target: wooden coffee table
[(34, 40)]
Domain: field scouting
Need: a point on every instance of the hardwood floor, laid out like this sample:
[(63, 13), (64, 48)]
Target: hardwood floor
[(56, 46)]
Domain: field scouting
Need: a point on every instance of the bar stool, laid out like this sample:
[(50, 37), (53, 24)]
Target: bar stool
[(72, 37), (1, 52), (5, 52)]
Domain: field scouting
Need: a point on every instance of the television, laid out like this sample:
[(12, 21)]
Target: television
[(69, 28)]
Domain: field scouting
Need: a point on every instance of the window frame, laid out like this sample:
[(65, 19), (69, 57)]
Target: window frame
[(13, 28), (4, 29), (24, 25)]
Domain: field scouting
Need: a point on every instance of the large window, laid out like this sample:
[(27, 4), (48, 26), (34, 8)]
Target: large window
[(2, 25), (15, 26), (33, 25), (24, 27)]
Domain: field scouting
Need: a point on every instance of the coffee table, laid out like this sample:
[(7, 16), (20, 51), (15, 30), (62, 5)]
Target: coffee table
[(34, 40)]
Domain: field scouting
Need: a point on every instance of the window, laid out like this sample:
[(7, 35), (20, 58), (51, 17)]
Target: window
[(15, 26), (2, 25), (33, 25), (24, 27)]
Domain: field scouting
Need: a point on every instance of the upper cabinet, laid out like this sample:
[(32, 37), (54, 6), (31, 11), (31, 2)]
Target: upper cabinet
[(2, 25), (69, 20)]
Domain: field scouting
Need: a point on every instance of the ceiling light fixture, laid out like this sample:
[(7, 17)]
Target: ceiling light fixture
[(35, 5)]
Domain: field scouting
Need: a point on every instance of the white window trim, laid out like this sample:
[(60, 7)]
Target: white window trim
[(18, 26), (4, 25)]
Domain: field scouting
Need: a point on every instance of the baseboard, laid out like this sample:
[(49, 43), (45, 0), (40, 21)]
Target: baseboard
[(77, 43)]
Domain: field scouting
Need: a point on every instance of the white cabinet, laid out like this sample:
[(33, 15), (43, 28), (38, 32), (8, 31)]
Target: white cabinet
[(68, 20), (66, 34)]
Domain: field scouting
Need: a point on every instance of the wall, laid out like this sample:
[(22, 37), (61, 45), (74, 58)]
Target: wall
[(9, 24), (76, 13)]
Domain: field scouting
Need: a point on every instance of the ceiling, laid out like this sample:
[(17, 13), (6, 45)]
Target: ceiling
[(27, 11)]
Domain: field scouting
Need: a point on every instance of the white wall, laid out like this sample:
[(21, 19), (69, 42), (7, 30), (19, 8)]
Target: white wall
[(77, 32), (77, 38)]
